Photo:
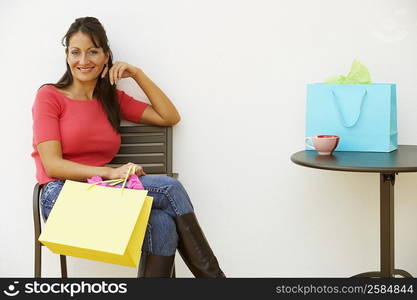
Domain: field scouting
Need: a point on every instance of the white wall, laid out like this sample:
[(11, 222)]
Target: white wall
[(237, 72)]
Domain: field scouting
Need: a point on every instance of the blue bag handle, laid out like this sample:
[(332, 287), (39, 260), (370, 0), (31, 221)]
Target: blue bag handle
[(340, 111)]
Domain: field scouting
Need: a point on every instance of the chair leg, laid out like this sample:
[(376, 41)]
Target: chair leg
[(37, 230), (173, 271), (38, 259), (63, 259)]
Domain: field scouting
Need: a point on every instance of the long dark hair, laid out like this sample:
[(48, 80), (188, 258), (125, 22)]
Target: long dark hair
[(104, 91)]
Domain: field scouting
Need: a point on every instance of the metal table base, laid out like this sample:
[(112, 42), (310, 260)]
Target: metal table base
[(387, 182)]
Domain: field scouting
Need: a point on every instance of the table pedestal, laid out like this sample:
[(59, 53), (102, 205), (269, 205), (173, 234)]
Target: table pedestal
[(387, 182)]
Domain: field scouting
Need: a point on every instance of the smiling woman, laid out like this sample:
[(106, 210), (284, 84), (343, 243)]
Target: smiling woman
[(76, 133), (89, 62)]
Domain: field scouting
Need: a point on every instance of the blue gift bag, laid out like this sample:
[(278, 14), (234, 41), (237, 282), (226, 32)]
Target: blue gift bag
[(363, 115)]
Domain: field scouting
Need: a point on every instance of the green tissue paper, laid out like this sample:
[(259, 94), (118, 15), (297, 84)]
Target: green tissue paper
[(358, 75)]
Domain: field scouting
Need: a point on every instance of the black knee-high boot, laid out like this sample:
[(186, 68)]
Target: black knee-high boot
[(159, 266), (194, 248)]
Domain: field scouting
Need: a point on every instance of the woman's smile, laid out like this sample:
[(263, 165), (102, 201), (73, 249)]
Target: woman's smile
[(85, 69)]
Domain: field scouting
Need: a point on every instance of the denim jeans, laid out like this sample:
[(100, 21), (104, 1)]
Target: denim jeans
[(169, 200)]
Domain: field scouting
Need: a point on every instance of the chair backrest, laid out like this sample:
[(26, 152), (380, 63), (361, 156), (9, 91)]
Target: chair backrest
[(148, 146)]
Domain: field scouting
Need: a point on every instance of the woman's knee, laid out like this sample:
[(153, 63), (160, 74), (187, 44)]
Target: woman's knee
[(160, 181), (168, 193)]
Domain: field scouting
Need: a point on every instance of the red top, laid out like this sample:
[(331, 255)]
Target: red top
[(81, 126)]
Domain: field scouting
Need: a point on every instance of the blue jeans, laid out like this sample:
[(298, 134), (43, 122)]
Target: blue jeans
[(169, 200)]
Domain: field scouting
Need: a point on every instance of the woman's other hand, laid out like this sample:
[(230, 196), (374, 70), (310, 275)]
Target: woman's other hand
[(120, 70), (121, 172)]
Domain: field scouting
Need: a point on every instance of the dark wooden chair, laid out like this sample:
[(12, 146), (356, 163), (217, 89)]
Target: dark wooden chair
[(145, 145)]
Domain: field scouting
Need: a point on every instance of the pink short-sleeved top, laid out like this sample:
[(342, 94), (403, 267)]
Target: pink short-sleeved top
[(81, 126)]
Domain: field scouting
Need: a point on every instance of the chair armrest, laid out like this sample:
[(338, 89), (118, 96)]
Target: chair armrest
[(174, 175)]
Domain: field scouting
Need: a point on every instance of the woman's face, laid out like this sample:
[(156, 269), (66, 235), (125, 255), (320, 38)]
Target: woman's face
[(85, 60)]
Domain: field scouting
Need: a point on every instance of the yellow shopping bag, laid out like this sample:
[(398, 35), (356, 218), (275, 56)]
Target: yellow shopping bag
[(98, 222)]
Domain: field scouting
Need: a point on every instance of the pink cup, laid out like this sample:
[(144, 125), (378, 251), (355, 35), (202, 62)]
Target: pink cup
[(323, 144)]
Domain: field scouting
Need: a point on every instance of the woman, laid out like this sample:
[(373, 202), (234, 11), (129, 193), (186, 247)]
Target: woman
[(75, 126)]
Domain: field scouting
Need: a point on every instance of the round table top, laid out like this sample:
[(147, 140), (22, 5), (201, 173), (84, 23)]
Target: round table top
[(404, 159)]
